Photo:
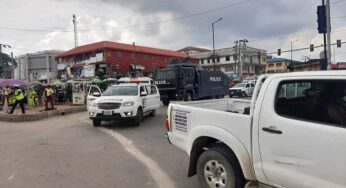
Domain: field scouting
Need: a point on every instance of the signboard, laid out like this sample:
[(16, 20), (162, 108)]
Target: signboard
[(89, 71), (61, 66), (181, 120), (78, 98)]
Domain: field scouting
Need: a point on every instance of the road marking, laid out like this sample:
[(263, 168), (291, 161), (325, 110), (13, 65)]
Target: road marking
[(160, 177), (11, 177)]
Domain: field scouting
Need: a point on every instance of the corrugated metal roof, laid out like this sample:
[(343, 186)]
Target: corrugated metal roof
[(120, 46)]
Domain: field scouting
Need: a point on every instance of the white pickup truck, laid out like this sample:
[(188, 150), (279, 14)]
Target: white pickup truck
[(291, 134)]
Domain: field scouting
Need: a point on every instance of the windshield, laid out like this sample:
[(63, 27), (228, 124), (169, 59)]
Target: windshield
[(121, 90), (165, 74), (240, 85)]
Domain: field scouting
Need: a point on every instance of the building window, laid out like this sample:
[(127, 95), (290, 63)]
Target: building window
[(132, 55), (218, 59), (202, 61), (145, 56), (251, 60), (208, 60), (118, 54), (228, 58), (264, 58)]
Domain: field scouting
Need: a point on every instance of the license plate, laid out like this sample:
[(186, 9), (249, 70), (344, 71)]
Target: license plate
[(108, 113)]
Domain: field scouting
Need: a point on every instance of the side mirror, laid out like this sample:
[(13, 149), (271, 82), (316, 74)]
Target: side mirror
[(143, 93), (96, 94)]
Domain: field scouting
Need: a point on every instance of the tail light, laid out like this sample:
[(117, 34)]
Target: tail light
[(167, 124)]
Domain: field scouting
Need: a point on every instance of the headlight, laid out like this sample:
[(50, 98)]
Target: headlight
[(128, 103), (93, 104)]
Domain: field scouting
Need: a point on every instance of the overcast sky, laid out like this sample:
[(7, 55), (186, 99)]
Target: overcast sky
[(169, 24)]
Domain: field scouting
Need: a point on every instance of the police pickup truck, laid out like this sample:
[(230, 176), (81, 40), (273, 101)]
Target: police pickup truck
[(130, 100), (292, 134)]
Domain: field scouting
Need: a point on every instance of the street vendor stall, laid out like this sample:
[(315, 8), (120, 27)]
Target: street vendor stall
[(79, 90)]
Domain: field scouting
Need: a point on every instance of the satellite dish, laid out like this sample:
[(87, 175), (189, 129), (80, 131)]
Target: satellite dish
[(322, 55)]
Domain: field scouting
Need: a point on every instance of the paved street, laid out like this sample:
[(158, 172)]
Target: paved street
[(67, 151)]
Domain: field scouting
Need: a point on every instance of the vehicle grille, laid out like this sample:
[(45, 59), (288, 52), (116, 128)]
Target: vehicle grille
[(108, 106)]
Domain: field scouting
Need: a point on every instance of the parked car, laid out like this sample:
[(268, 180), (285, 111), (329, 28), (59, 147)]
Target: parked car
[(291, 134), (241, 90)]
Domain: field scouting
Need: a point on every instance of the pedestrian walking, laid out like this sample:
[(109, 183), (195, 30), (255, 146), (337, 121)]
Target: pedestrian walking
[(7, 92), (19, 96), (49, 97)]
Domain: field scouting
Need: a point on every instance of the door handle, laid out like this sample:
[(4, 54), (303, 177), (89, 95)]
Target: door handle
[(272, 129)]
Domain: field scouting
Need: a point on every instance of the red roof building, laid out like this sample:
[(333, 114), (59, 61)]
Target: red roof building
[(109, 58)]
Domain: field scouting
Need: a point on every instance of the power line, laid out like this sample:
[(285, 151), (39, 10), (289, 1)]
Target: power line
[(338, 1), (337, 17), (136, 25), (287, 36)]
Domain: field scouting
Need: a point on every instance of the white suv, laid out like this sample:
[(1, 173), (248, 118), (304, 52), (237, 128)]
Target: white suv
[(242, 90), (129, 101)]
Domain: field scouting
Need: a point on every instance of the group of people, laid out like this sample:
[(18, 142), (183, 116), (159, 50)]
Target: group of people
[(20, 98)]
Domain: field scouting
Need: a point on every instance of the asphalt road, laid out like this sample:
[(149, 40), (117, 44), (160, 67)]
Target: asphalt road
[(67, 151)]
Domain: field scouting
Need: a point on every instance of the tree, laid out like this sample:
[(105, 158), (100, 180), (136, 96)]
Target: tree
[(7, 65)]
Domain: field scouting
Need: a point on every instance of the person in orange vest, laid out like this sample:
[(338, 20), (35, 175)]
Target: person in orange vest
[(19, 99), (49, 97)]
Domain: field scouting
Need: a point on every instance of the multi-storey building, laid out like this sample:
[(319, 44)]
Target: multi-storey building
[(230, 60), (40, 66), (112, 58)]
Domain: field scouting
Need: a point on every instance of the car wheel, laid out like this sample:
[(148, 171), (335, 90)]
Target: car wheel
[(165, 102), (217, 168), (188, 96), (230, 96), (153, 113), (139, 117), (243, 94), (96, 122)]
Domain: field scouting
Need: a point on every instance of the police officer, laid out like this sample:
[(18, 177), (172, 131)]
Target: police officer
[(19, 95)]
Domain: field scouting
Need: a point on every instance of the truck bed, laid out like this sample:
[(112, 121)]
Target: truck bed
[(226, 105)]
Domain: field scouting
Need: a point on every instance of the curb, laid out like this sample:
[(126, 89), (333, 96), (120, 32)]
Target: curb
[(40, 115)]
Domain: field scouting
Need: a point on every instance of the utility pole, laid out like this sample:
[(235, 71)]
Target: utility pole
[(47, 68), (134, 59), (12, 62), (236, 60), (329, 54), (75, 23), (212, 27), (242, 45), (292, 50)]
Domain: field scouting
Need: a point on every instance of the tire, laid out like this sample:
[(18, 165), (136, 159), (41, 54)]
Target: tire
[(243, 94), (152, 113), (165, 102), (139, 117), (188, 96), (224, 162), (96, 122), (230, 96)]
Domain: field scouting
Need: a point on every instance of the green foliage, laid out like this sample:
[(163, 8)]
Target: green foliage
[(7, 64)]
